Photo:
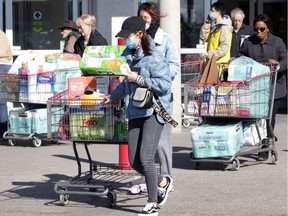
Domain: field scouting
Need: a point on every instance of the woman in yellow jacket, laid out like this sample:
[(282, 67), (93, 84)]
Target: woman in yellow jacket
[(217, 32)]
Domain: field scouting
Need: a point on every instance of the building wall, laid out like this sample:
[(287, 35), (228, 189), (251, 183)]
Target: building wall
[(108, 10)]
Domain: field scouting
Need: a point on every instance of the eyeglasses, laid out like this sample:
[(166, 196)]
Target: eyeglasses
[(261, 29)]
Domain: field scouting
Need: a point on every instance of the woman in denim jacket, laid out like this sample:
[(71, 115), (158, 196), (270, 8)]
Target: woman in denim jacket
[(144, 125)]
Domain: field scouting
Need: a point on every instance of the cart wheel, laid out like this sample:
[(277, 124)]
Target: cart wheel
[(64, 199), (111, 199), (274, 157), (11, 142), (185, 123), (192, 156), (196, 165), (36, 142), (54, 141), (235, 164)]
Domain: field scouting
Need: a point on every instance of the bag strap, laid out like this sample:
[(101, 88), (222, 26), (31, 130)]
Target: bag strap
[(160, 110)]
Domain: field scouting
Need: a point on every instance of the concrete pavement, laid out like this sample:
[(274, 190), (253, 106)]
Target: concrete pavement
[(28, 175)]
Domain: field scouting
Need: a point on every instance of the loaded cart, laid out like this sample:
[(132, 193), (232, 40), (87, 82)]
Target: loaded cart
[(28, 95), (84, 122), (236, 116)]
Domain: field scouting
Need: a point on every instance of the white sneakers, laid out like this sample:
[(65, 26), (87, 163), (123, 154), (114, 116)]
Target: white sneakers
[(140, 188)]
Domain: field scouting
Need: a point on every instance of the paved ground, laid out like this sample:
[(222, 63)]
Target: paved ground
[(28, 175)]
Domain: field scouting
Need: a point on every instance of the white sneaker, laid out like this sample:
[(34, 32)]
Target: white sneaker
[(149, 209), (140, 188)]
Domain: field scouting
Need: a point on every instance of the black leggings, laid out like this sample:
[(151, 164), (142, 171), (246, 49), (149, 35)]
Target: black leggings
[(276, 106)]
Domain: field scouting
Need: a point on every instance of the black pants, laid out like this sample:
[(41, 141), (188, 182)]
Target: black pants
[(276, 106)]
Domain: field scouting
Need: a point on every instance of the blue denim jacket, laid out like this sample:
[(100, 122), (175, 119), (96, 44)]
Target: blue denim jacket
[(156, 71)]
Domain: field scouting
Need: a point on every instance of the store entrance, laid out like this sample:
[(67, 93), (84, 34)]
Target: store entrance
[(35, 23)]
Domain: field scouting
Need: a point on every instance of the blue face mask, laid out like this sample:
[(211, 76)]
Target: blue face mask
[(130, 43), (211, 16)]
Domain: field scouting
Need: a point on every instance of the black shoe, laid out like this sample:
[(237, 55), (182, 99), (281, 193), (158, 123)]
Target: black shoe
[(163, 191)]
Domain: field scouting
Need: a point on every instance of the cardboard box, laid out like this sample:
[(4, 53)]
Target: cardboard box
[(77, 86), (91, 124), (226, 100)]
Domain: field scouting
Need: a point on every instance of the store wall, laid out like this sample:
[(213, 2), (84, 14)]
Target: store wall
[(108, 11)]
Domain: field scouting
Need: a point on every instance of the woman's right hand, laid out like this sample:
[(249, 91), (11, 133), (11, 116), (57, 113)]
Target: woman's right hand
[(131, 76), (273, 62)]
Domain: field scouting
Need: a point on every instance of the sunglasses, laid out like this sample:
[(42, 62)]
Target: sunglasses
[(257, 29)]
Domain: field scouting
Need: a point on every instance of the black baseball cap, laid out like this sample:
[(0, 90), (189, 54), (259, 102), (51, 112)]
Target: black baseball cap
[(130, 25)]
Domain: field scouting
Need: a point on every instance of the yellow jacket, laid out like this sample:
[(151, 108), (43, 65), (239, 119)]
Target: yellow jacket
[(218, 39)]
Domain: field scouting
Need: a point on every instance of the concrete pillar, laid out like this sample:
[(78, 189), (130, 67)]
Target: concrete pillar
[(171, 25)]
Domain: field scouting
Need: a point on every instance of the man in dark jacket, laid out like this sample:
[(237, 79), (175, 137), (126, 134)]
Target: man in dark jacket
[(240, 31), (89, 35)]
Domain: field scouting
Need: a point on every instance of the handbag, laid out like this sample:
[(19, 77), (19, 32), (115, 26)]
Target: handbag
[(143, 98)]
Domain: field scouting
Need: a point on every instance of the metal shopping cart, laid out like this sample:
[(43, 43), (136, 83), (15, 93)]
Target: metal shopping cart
[(248, 102), (27, 120), (89, 121), (191, 71)]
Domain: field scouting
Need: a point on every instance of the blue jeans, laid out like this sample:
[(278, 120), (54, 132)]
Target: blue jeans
[(143, 139)]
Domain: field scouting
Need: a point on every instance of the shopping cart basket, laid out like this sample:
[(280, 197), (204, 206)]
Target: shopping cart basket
[(90, 121), (29, 95), (248, 100)]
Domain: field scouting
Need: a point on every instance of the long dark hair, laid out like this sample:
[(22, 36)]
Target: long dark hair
[(264, 18), (153, 10), (146, 44)]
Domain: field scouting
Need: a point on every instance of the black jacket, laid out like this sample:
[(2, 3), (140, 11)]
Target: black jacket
[(95, 39), (273, 48), (237, 37)]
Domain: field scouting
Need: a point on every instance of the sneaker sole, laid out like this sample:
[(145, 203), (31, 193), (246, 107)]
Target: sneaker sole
[(152, 214)]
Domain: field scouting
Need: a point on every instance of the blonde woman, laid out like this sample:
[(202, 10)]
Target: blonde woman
[(89, 35)]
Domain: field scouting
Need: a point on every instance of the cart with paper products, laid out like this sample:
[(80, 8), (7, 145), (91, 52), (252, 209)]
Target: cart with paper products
[(27, 87), (191, 71), (84, 122), (236, 115), (80, 115)]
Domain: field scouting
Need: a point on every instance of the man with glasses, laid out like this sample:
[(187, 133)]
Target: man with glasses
[(240, 31)]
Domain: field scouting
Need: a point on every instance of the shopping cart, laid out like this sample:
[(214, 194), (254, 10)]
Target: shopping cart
[(90, 121), (248, 101), (27, 120), (191, 71)]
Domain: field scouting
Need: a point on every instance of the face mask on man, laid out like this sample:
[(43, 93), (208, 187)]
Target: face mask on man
[(211, 16), (131, 43)]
